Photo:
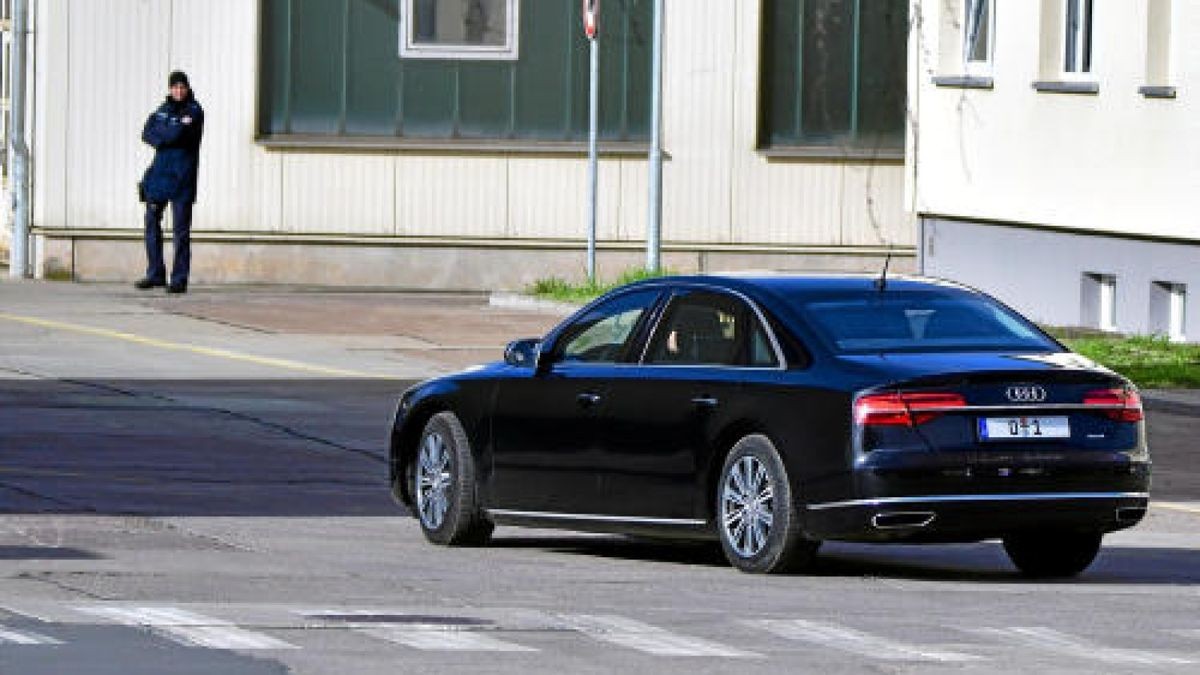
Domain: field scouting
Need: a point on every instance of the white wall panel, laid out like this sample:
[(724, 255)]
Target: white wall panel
[(118, 61), (875, 215), (440, 195), (333, 193), (51, 83), (215, 42), (698, 119), (548, 198), (785, 202)]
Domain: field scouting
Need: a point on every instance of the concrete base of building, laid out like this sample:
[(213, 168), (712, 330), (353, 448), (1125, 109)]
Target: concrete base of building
[(1070, 278), (404, 263)]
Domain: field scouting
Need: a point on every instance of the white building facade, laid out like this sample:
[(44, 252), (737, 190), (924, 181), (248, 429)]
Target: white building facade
[(437, 143), (1054, 159)]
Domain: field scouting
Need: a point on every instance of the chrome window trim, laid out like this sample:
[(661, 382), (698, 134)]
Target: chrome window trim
[(781, 361), (596, 518), (1008, 497)]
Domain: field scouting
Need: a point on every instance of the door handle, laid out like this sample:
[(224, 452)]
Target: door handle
[(588, 399), (705, 402)]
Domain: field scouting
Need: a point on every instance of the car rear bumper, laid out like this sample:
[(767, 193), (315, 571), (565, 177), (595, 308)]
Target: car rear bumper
[(972, 517)]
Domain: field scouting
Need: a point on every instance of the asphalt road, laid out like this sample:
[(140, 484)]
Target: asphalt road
[(199, 487)]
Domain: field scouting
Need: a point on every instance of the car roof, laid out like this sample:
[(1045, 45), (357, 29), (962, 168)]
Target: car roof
[(786, 284)]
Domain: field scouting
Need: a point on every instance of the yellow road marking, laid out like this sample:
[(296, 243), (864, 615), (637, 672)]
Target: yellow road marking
[(1182, 508), (285, 364)]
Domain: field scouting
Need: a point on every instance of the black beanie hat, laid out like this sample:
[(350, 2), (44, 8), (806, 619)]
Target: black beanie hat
[(178, 77)]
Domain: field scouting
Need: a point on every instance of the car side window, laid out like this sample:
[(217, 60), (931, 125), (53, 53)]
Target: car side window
[(604, 333), (714, 329)]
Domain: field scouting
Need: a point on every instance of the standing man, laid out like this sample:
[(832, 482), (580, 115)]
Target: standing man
[(174, 131)]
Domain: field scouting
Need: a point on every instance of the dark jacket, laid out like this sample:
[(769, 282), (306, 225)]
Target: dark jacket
[(176, 143)]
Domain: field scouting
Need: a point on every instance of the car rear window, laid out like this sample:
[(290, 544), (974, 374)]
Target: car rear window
[(873, 321)]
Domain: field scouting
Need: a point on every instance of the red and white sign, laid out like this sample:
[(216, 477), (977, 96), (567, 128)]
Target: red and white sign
[(591, 18)]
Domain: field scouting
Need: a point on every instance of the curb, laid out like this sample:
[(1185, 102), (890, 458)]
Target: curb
[(528, 303), (1178, 507)]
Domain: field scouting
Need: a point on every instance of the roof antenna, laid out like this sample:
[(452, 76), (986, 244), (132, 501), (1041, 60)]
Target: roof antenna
[(881, 282)]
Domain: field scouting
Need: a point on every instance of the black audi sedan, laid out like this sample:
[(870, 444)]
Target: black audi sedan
[(775, 412)]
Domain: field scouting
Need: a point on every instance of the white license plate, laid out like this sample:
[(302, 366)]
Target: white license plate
[(1003, 428)]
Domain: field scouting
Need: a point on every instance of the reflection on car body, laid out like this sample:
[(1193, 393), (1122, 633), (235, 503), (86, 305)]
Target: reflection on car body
[(776, 412)]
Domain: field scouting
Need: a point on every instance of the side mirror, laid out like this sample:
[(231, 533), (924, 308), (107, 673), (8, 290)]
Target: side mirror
[(523, 353)]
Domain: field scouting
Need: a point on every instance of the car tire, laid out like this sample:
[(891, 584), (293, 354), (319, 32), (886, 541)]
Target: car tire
[(757, 513), (1052, 554), (444, 488)]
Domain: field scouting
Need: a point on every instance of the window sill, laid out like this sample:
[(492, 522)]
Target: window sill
[(1157, 91), (964, 81), (817, 153), (448, 146), (1067, 86)]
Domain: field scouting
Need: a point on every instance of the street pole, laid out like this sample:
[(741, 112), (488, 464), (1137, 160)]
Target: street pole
[(654, 218), (593, 154), (18, 260)]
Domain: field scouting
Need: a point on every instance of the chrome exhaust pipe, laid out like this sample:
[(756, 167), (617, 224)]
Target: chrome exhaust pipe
[(1130, 514), (902, 519)]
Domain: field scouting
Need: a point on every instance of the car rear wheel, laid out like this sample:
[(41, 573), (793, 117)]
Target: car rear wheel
[(757, 516), (444, 485), (1053, 554)]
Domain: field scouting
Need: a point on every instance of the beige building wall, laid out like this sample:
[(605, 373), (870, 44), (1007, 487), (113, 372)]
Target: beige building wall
[(277, 215), (1114, 161), (1072, 196)]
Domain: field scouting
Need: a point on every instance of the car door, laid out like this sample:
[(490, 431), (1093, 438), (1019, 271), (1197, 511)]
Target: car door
[(546, 425), (663, 416)]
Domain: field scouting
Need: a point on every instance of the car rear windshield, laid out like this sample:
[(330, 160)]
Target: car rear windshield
[(888, 321)]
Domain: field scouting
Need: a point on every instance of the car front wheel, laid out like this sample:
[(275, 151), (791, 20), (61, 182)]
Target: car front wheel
[(444, 485), (1052, 554), (757, 516)]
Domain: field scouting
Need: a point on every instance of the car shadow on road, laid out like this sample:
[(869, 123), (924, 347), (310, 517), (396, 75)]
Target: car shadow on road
[(976, 563)]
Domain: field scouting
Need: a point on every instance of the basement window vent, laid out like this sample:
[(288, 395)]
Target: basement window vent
[(1168, 310), (1098, 301)]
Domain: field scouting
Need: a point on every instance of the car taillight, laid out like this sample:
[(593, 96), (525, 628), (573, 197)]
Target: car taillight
[(904, 409), (1122, 405)]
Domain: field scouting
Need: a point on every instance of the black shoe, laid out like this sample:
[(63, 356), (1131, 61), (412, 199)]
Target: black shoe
[(175, 289), (146, 283)]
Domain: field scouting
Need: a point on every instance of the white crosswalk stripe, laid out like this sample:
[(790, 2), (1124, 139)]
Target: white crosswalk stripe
[(188, 628), (646, 638), (442, 638), (10, 636), (855, 641), (1069, 645)]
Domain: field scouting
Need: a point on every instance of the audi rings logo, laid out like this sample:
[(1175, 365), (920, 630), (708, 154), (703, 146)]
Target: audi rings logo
[(1025, 393)]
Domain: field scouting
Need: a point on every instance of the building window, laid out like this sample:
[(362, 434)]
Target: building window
[(834, 74), (1078, 56), (1168, 310), (459, 29), (331, 69), (978, 28), (1098, 307)]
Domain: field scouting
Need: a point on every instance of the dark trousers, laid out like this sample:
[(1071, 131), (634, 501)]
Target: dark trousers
[(181, 222)]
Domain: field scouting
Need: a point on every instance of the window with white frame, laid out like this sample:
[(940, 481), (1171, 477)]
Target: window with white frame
[(1078, 23), (459, 29), (978, 29)]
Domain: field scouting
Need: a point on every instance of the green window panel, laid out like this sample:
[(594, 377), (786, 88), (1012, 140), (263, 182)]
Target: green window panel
[(834, 74), (332, 68)]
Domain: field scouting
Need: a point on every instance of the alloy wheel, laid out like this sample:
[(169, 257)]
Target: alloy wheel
[(433, 481), (747, 506)]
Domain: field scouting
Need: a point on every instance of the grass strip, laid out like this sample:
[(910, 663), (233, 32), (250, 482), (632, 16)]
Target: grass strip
[(561, 290)]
